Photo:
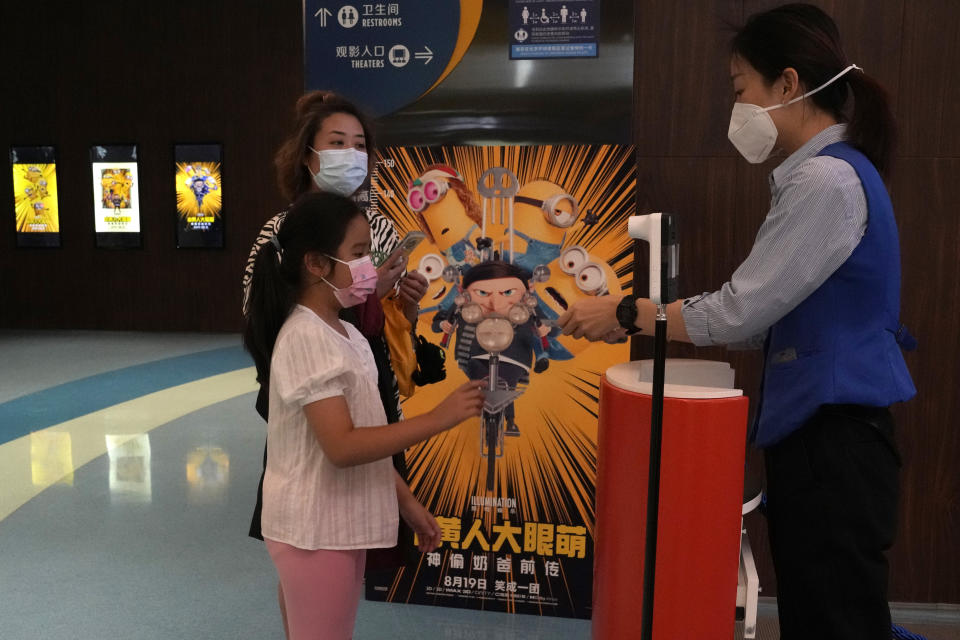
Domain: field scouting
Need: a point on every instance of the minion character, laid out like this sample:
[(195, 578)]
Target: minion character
[(124, 182), (543, 212), (107, 185), (441, 292), (574, 275), (33, 174), (448, 213)]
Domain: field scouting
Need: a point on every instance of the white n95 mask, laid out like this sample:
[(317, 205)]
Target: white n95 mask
[(752, 130), (341, 171)]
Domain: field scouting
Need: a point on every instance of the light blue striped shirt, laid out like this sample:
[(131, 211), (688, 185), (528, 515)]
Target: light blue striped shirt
[(818, 214)]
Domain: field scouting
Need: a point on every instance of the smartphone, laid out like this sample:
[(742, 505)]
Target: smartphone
[(407, 245)]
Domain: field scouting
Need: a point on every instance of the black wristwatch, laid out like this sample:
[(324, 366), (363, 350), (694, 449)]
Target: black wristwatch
[(627, 314)]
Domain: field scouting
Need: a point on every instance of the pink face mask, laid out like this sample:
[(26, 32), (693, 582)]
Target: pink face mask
[(364, 276)]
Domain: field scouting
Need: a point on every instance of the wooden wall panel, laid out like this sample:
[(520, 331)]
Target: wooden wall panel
[(155, 75), (681, 76), (930, 95), (926, 558)]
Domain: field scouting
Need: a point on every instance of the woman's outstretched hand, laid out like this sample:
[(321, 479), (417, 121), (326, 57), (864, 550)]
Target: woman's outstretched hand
[(591, 318)]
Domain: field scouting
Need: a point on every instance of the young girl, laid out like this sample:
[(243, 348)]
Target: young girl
[(330, 491), (329, 150)]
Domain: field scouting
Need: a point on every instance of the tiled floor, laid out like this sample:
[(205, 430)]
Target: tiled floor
[(128, 467)]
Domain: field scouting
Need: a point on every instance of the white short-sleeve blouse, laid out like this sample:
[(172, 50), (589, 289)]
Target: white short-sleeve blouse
[(308, 502)]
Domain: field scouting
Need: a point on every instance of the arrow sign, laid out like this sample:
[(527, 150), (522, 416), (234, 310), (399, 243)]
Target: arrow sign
[(323, 14), (426, 55), (379, 88)]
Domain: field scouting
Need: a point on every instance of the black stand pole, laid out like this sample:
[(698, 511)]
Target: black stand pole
[(653, 478)]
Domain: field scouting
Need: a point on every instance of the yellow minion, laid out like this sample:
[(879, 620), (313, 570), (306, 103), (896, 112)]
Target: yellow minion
[(448, 213), (574, 275), (543, 212)]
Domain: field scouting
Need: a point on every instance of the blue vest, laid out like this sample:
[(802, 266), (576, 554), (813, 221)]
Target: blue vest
[(841, 345)]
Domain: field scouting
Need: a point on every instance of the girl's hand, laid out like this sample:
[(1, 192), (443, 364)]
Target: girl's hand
[(423, 524), (465, 402), (389, 272), (413, 287)]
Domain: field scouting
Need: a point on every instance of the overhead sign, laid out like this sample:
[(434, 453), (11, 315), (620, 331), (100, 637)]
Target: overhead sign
[(381, 55), (553, 29)]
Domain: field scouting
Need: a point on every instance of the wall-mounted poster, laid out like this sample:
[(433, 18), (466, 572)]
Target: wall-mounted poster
[(199, 190), (35, 206), (116, 196), (515, 235)]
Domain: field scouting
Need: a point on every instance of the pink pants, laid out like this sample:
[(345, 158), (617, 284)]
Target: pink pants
[(321, 590)]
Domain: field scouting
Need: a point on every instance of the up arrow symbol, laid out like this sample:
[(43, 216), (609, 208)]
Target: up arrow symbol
[(323, 14)]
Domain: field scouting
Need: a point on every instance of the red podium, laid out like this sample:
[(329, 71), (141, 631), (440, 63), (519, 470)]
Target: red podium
[(701, 498)]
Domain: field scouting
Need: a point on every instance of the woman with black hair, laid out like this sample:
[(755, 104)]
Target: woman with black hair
[(820, 293)]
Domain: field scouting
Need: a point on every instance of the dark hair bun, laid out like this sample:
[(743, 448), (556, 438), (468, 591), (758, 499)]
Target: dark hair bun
[(313, 99)]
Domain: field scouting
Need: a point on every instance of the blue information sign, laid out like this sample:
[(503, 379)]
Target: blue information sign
[(382, 55), (553, 28)]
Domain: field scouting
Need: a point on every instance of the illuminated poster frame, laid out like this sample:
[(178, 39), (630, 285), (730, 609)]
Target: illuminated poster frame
[(199, 196), (116, 196), (36, 208)]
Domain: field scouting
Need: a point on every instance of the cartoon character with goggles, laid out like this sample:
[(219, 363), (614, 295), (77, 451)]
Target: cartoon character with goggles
[(544, 212), (500, 339), (448, 213)]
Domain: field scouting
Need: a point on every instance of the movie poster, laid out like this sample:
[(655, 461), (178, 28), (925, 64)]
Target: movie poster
[(199, 189), (36, 211), (514, 236), (116, 196)]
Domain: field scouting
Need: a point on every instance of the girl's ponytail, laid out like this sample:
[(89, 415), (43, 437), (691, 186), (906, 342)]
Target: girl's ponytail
[(271, 298), (317, 222), (871, 127)]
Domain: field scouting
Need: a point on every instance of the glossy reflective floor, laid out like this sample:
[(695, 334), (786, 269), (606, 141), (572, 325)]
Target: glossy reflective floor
[(128, 468)]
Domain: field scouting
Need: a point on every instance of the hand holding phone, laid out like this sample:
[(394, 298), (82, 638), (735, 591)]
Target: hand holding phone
[(392, 268), (407, 244)]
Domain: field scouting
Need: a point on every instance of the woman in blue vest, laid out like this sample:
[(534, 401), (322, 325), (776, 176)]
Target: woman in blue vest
[(820, 293)]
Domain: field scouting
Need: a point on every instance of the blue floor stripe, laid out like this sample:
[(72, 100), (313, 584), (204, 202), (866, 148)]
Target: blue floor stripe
[(48, 407)]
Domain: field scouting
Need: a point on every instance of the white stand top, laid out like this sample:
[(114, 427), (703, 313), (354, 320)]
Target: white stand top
[(685, 378)]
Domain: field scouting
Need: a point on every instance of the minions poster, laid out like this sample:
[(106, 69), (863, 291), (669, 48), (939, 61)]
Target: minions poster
[(199, 189), (36, 211), (514, 236), (116, 196)]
